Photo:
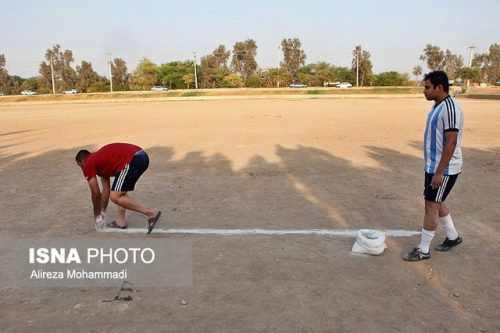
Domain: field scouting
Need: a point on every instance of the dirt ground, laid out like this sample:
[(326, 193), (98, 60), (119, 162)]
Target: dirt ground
[(270, 164)]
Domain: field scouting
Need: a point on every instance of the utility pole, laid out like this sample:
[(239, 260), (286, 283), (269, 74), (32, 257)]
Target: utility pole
[(472, 47), (110, 73), (278, 65), (195, 75), (52, 74), (278, 57), (357, 67)]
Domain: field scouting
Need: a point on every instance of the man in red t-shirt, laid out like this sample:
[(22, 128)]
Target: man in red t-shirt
[(125, 162)]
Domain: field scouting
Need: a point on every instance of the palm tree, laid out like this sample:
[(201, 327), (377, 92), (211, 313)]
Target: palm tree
[(417, 71)]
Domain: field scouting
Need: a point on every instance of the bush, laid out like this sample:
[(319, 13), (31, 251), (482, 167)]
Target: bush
[(253, 81), (391, 79), (232, 80)]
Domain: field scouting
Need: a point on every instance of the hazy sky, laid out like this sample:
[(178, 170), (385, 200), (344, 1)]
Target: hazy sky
[(394, 32)]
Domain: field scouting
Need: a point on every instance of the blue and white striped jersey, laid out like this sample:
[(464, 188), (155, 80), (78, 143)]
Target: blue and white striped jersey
[(446, 116)]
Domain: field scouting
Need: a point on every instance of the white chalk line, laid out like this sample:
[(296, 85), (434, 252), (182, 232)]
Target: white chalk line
[(271, 232)]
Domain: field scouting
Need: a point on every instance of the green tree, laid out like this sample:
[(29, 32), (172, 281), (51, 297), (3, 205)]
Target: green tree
[(171, 74), (188, 80), (254, 81), (318, 74), (120, 74), (417, 71), (494, 63), (64, 75), (31, 83), (344, 74), (87, 77), (452, 63), (293, 55), (214, 68), (391, 79), (276, 77), (489, 64), (5, 82), (233, 80), (480, 62), (243, 61), (361, 59), (45, 82), (469, 73), (18, 84), (144, 76), (324, 72), (434, 57)]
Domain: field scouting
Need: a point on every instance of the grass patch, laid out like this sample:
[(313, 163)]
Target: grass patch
[(148, 95), (191, 94), (315, 92)]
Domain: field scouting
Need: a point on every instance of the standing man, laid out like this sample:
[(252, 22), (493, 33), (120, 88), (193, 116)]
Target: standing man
[(125, 162), (443, 163)]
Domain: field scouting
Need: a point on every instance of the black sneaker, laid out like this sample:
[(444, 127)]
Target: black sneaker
[(448, 244), (416, 255)]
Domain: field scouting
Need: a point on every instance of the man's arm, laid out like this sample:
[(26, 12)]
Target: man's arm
[(95, 194), (105, 193), (449, 149)]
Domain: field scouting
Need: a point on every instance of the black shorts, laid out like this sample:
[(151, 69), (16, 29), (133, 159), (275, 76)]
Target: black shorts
[(438, 194), (125, 180)]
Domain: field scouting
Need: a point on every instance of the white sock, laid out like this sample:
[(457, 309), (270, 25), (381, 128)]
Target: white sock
[(425, 240), (447, 223)]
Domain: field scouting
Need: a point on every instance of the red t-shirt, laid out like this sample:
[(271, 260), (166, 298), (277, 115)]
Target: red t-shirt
[(109, 160)]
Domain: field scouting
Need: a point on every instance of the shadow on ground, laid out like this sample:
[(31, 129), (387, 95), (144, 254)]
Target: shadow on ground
[(263, 283)]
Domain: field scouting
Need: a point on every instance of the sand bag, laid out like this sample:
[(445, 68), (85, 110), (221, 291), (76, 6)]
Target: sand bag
[(369, 242)]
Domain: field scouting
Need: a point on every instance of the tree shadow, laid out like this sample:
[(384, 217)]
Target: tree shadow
[(307, 188)]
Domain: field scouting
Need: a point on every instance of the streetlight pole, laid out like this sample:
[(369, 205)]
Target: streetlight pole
[(52, 74), (278, 57), (472, 47), (357, 67), (278, 65), (195, 75), (110, 73)]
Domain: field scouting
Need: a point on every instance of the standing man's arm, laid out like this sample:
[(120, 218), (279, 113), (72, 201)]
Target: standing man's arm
[(95, 194), (105, 193), (449, 149)]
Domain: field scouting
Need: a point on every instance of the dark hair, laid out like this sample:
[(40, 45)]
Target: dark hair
[(82, 155), (438, 78)]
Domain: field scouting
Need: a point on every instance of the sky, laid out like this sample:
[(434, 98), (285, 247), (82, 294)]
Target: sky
[(395, 32)]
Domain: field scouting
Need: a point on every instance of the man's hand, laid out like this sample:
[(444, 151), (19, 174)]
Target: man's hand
[(95, 194), (437, 180)]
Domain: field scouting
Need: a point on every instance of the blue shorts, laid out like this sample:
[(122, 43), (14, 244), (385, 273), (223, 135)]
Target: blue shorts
[(125, 180)]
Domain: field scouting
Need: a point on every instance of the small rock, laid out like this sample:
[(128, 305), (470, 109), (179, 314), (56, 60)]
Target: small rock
[(183, 302), (456, 294)]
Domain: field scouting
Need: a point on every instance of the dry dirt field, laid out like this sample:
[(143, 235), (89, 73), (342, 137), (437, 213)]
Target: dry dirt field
[(269, 164)]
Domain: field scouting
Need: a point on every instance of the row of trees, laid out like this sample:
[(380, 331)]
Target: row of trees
[(484, 67), (239, 68)]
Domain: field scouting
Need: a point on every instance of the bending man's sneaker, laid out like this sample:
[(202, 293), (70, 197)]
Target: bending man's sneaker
[(448, 244), (416, 255)]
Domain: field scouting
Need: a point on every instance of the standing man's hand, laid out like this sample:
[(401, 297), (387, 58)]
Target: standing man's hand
[(437, 180)]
